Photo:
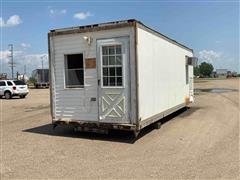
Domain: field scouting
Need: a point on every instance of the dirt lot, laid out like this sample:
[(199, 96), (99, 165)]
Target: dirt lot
[(202, 142)]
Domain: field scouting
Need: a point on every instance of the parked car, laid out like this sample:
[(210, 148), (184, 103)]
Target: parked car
[(10, 88)]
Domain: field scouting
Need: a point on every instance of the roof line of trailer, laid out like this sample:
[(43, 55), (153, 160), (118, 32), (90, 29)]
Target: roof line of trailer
[(143, 26), (113, 25)]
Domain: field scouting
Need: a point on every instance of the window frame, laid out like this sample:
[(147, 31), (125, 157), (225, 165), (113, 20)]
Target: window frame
[(65, 75), (122, 66)]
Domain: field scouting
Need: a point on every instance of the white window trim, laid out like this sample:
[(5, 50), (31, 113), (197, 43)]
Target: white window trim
[(113, 43), (64, 70)]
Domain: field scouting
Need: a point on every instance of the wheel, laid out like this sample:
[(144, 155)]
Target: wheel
[(157, 125), (136, 133), (0, 97), (22, 96), (7, 95)]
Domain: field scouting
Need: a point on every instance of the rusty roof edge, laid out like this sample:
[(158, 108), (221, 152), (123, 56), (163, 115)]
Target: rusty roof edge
[(112, 25)]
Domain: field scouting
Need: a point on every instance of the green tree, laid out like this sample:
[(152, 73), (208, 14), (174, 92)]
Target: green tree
[(205, 69), (32, 80), (196, 71)]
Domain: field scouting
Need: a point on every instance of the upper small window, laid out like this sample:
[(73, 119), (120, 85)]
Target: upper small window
[(9, 83), (2, 83), (74, 71)]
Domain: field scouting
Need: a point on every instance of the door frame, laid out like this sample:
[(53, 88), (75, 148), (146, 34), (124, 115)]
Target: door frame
[(125, 70)]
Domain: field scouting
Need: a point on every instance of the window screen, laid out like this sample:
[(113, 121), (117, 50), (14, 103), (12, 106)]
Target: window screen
[(112, 65), (74, 72)]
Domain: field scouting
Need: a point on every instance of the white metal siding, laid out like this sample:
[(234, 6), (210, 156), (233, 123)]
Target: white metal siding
[(161, 72), (75, 103)]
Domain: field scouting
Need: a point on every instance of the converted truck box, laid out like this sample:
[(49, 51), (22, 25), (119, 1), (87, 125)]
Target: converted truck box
[(42, 77), (118, 75)]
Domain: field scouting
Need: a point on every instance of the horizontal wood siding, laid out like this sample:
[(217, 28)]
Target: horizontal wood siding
[(76, 103)]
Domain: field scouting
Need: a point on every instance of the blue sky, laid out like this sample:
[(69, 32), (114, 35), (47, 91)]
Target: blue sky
[(210, 28)]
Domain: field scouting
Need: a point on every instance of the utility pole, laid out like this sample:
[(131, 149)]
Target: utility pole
[(24, 74), (11, 63), (42, 69), (25, 69)]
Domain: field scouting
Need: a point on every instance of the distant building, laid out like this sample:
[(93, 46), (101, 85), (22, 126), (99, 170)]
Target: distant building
[(221, 73), (42, 77), (229, 74), (3, 76), (213, 74), (22, 77), (234, 74)]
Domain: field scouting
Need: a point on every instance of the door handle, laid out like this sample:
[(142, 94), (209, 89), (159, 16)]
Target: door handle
[(98, 82)]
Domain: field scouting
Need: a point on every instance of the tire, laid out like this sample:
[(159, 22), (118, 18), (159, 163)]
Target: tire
[(157, 125), (22, 96), (0, 97), (136, 133), (7, 95)]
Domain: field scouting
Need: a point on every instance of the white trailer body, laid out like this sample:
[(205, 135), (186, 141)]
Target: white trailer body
[(118, 75)]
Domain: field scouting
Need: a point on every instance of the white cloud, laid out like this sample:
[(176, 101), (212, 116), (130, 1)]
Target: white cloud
[(4, 54), (63, 11), (219, 60), (55, 12), (12, 21), (1, 22), (52, 11), (25, 45), (32, 61), (209, 55), (82, 15)]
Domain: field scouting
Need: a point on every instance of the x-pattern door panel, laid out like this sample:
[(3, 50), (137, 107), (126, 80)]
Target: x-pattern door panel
[(113, 105)]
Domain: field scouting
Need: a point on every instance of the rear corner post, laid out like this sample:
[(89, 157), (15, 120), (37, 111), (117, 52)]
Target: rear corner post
[(137, 130), (50, 73)]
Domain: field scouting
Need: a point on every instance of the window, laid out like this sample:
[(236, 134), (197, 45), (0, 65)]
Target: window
[(74, 72), (9, 83), (2, 83), (112, 65), (187, 61), (19, 83), (187, 74)]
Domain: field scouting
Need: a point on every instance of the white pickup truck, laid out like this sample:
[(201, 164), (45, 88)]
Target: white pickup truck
[(10, 88)]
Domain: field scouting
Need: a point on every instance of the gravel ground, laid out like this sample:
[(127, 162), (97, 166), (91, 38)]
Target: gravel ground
[(199, 143)]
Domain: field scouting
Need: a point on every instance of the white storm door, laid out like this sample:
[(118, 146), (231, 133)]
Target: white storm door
[(113, 78)]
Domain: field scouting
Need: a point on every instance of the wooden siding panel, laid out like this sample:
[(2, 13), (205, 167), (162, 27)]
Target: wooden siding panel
[(76, 103)]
